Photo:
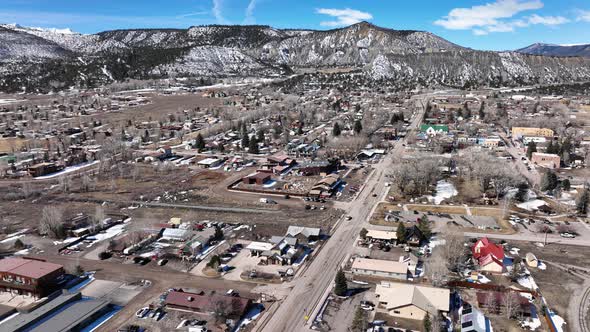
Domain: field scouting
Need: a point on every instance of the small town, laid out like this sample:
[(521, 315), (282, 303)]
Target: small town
[(320, 200)]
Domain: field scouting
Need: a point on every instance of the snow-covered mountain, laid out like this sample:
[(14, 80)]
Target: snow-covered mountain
[(582, 50), (34, 58)]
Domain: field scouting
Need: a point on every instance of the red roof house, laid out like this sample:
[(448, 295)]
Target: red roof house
[(488, 255)]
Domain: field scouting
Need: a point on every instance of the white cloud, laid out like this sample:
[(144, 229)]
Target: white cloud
[(217, 11), (547, 20), (485, 15), (345, 16), (193, 14), (496, 17), (583, 15), (249, 19)]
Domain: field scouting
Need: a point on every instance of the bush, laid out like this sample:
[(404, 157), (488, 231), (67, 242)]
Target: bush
[(104, 255)]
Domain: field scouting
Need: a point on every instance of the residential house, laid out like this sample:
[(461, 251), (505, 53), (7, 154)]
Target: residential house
[(369, 154), (411, 301), (415, 237), (380, 268), (326, 186), (488, 255), (434, 130), (473, 320)]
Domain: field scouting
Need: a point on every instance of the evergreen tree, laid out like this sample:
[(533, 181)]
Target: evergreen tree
[(522, 193), (531, 148), (358, 321), (245, 141), (481, 114), (582, 202), (549, 181), (260, 135), (336, 131), (253, 146), (199, 143), (424, 226), (427, 323), (218, 235), (566, 185), (550, 147), (363, 233), (341, 285), (358, 127), (401, 233)]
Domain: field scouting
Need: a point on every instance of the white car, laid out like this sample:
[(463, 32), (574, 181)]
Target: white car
[(142, 312), (567, 235)]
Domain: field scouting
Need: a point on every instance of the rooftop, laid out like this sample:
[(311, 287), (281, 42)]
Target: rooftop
[(394, 295), (30, 268), (379, 265)]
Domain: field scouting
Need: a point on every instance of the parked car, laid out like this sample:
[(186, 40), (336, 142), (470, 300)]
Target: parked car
[(162, 262), (142, 312), (568, 235)]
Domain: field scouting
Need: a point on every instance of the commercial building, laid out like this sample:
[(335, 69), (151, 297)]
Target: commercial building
[(67, 312), (519, 132), (30, 277), (207, 304), (411, 301), (546, 160)]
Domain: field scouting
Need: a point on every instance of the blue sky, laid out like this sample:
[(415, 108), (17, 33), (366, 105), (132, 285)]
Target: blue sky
[(480, 24)]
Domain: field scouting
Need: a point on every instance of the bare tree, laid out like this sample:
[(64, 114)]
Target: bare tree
[(436, 268), (65, 184), (51, 222), (453, 250), (510, 304), (491, 303), (98, 218)]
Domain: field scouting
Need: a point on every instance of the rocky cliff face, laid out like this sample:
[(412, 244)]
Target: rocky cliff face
[(33, 58)]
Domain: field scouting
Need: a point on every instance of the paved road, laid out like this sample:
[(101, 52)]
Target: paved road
[(532, 237), (313, 285), (532, 176)]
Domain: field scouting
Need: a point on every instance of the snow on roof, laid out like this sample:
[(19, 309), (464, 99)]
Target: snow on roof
[(208, 161), (395, 295), (260, 246), (381, 235), (379, 265)]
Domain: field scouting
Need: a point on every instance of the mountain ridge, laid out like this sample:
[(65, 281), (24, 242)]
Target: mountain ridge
[(44, 60), (579, 50)]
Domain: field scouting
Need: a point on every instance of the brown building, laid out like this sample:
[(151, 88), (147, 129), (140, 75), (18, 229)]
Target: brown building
[(30, 277), (257, 178), (546, 160), (207, 304), (44, 169)]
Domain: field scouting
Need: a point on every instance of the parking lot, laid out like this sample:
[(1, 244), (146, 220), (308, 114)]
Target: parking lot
[(460, 220)]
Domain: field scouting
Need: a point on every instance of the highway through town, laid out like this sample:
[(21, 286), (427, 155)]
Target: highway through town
[(312, 287)]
